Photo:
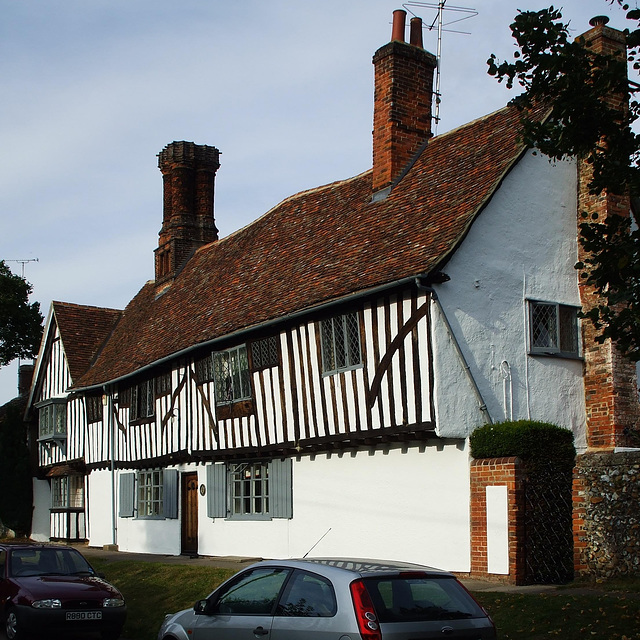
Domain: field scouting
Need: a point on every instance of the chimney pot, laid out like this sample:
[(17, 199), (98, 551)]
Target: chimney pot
[(415, 37), (399, 20), (599, 21)]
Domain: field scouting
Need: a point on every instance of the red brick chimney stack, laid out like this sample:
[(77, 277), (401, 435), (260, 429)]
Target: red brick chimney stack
[(188, 172), (402, 101), (609, 378)]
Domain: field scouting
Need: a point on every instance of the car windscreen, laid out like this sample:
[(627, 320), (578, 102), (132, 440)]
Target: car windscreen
[(42, 562), (421, 598)]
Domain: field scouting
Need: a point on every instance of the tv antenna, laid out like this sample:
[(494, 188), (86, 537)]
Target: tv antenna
[(23, 262), (457, 14)]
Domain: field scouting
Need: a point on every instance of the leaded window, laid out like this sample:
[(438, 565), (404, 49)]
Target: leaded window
[(231, 373), (340, 337), (67, 492), (142, 400), (163, 384), (554, 329), (204, 369), (265, 353), (52, 420), (93, 406)]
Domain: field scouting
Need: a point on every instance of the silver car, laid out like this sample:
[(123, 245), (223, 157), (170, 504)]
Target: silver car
[(334, 599)]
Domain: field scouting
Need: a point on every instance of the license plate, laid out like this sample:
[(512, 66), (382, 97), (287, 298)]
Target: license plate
[(84, 615)]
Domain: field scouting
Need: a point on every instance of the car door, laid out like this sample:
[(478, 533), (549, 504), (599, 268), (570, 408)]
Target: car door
[(307, 609), (243, 608)]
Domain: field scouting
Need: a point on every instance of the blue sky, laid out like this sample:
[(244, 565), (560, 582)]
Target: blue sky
[(92, 90)]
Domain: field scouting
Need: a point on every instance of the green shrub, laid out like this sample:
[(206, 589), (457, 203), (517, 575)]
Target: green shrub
[(534, 442)]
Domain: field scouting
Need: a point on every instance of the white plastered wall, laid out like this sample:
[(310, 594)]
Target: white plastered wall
[(99, 508), (40, 523), (404, 504), (523, 245)]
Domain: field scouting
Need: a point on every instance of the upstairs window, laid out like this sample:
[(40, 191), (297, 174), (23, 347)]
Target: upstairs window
[(553, 329), (231, 374), (52, 420), (93, 405), (265, 353), (204, 369), (142, 402), (340, 338)]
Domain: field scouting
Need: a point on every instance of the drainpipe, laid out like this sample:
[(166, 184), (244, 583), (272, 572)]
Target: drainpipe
[(434, 296), (112, 441)]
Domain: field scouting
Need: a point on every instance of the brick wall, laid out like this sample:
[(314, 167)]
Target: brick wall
[(507, 472)]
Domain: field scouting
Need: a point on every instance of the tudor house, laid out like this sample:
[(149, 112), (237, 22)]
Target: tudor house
[(311, 380)]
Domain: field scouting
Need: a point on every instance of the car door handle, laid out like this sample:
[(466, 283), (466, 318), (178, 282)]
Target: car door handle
[(260, 631)]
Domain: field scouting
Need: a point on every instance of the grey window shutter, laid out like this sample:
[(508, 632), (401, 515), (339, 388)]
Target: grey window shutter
[(281, 488), (170, 493), (127, 495), (217, 490)]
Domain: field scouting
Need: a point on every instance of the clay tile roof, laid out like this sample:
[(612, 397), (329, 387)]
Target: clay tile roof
[(318, 246), (83, 331)]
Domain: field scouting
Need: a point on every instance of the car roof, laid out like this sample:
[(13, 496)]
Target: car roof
[(31, 545), (362, 567)]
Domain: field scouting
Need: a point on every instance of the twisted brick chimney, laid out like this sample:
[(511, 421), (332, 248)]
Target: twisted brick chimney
[(402, 102), (609, 378), (188, 172)]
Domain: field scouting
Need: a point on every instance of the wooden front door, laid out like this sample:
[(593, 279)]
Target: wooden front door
[(190, 513)]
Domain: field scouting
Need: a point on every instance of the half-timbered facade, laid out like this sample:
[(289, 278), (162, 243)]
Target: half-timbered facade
[(311, 380)]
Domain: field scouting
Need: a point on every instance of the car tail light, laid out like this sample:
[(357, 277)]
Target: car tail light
[(365, 613)]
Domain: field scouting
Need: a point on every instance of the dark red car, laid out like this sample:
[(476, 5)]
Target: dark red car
[(50, 588)]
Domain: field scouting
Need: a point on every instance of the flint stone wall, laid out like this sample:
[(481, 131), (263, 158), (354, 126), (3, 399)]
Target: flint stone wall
[(607, 514)]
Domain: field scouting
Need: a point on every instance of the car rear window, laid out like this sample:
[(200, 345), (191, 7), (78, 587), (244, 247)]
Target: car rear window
[(421, 598)]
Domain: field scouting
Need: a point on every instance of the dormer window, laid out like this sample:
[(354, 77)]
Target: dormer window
[(52, 420)]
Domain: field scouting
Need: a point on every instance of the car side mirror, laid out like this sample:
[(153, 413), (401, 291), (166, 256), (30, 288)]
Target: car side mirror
[(200, 607)]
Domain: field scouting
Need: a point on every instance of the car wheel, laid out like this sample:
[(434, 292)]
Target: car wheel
[(12, 626)]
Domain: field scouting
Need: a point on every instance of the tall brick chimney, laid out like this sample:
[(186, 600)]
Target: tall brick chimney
[(188, 172), (609, 378), (402, 101)]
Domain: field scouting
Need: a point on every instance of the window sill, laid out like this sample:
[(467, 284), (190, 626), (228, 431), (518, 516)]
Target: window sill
[(56, 438), (326, 374), (556, 354), (249, 518), (141, 421)]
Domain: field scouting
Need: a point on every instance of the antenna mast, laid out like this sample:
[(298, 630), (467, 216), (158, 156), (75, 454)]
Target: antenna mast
[(23, 262), (438, 23)]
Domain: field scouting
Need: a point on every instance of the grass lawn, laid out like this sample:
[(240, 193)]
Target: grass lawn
[(602, 612)]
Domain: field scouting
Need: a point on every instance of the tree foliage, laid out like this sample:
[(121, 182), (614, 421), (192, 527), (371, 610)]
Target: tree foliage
[(20, 321), (578, 85)]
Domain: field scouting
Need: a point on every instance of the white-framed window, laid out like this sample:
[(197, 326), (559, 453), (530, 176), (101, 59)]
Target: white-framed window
[(249, 489), (553, 329), (52, 420), (254, 490), (67, 492), (150, 494), (340, 340), (231, 373)]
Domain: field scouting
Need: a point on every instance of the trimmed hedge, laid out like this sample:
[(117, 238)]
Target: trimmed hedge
[(531, 441)]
